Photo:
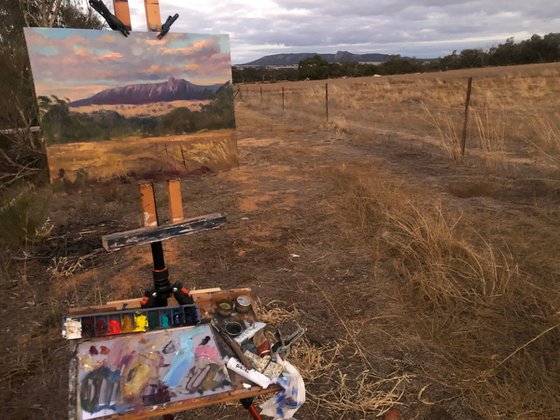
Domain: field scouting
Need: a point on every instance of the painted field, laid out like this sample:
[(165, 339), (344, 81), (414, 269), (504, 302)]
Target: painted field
[(136, 157)]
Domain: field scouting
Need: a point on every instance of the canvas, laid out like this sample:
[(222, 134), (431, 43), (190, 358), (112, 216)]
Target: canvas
[(135, 107)]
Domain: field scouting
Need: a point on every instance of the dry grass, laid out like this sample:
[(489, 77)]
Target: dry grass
[(325, 370), (491, 129), (511, 107), (489, 330), (447, 133)]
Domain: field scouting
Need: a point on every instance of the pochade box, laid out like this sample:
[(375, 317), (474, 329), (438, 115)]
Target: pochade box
[(147, 362)]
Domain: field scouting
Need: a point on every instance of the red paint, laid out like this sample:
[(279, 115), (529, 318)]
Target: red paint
[(114, 327)]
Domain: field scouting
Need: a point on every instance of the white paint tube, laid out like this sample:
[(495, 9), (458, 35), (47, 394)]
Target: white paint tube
[(251, 374), (249, 332)]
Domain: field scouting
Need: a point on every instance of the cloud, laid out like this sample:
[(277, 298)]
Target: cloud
[(422, 28), (81, 62)]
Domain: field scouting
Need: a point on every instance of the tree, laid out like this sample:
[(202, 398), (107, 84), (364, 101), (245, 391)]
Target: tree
[(472, 58), (17, 99), (313, 68)]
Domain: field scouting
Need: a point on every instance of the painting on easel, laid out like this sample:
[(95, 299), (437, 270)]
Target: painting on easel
[(119, 374), (139, 107)]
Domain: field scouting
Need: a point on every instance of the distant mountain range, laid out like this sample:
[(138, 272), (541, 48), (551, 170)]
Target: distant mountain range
[(339, 57), (145, 93)]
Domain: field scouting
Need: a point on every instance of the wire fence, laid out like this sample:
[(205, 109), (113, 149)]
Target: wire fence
[(515, 115)]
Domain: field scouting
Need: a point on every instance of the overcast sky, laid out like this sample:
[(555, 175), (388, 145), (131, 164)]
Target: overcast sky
[(419, 28)]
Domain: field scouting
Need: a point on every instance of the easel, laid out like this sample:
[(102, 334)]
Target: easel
[(153, 233)]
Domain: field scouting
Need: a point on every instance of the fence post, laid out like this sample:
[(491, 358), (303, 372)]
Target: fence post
[(467, 101), (261, 95), (327, 101), (283, 99)]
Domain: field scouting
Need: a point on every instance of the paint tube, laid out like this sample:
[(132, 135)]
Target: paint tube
[(249, 332), (251, 374)]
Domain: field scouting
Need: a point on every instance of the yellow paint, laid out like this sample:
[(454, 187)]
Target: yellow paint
[(127, 324), (141, 322), (139, 377)]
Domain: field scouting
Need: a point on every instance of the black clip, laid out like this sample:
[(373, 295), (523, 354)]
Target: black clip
[(114, 23), (167, 25)]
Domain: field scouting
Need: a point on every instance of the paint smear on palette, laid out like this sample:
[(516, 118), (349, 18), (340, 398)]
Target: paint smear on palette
[(122, 374)]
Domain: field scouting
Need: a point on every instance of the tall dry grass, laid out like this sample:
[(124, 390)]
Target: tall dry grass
[(509, 110), (488, 331)]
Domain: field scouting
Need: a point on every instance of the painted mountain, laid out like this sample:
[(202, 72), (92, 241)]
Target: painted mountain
[(171, 90)]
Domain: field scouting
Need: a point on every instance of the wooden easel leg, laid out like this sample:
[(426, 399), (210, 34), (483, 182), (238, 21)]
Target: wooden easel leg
[(153, 18), (122, 12)]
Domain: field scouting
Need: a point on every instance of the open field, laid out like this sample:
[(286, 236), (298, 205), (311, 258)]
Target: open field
[(427, 281), (174, 155), (145, 110)]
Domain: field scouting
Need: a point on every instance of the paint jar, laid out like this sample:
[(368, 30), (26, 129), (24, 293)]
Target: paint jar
[(224, 308), (233, 328), (243, 304)]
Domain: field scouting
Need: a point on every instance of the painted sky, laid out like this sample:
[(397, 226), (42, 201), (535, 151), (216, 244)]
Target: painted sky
[(76, 63), (420, 28)]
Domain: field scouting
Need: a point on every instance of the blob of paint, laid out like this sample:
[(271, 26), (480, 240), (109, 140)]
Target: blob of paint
[(137, 379), (88, 328), (141, 322), (72, 329), (127, 324), (164, 321), (101, 327), (178, 320), (114, 327), (153, 320)]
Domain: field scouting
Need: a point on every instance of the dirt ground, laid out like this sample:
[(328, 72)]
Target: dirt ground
[(288, 240)]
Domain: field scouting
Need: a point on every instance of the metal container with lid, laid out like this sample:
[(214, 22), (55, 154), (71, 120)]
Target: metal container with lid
[(243, 304)]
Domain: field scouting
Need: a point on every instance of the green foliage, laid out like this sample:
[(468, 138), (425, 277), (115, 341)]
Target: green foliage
[(263, 74), (537, 49), (313, 68), (21, 155)]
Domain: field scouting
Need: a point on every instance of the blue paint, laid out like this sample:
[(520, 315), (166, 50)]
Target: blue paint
[(164, 321), (182, 360)]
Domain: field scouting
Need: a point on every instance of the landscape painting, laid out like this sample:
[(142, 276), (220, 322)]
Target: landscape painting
[(137, 107)]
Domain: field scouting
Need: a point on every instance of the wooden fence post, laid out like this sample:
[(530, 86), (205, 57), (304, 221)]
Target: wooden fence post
[(283, 108), (467, 101), (327, 101), (261, 95)]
